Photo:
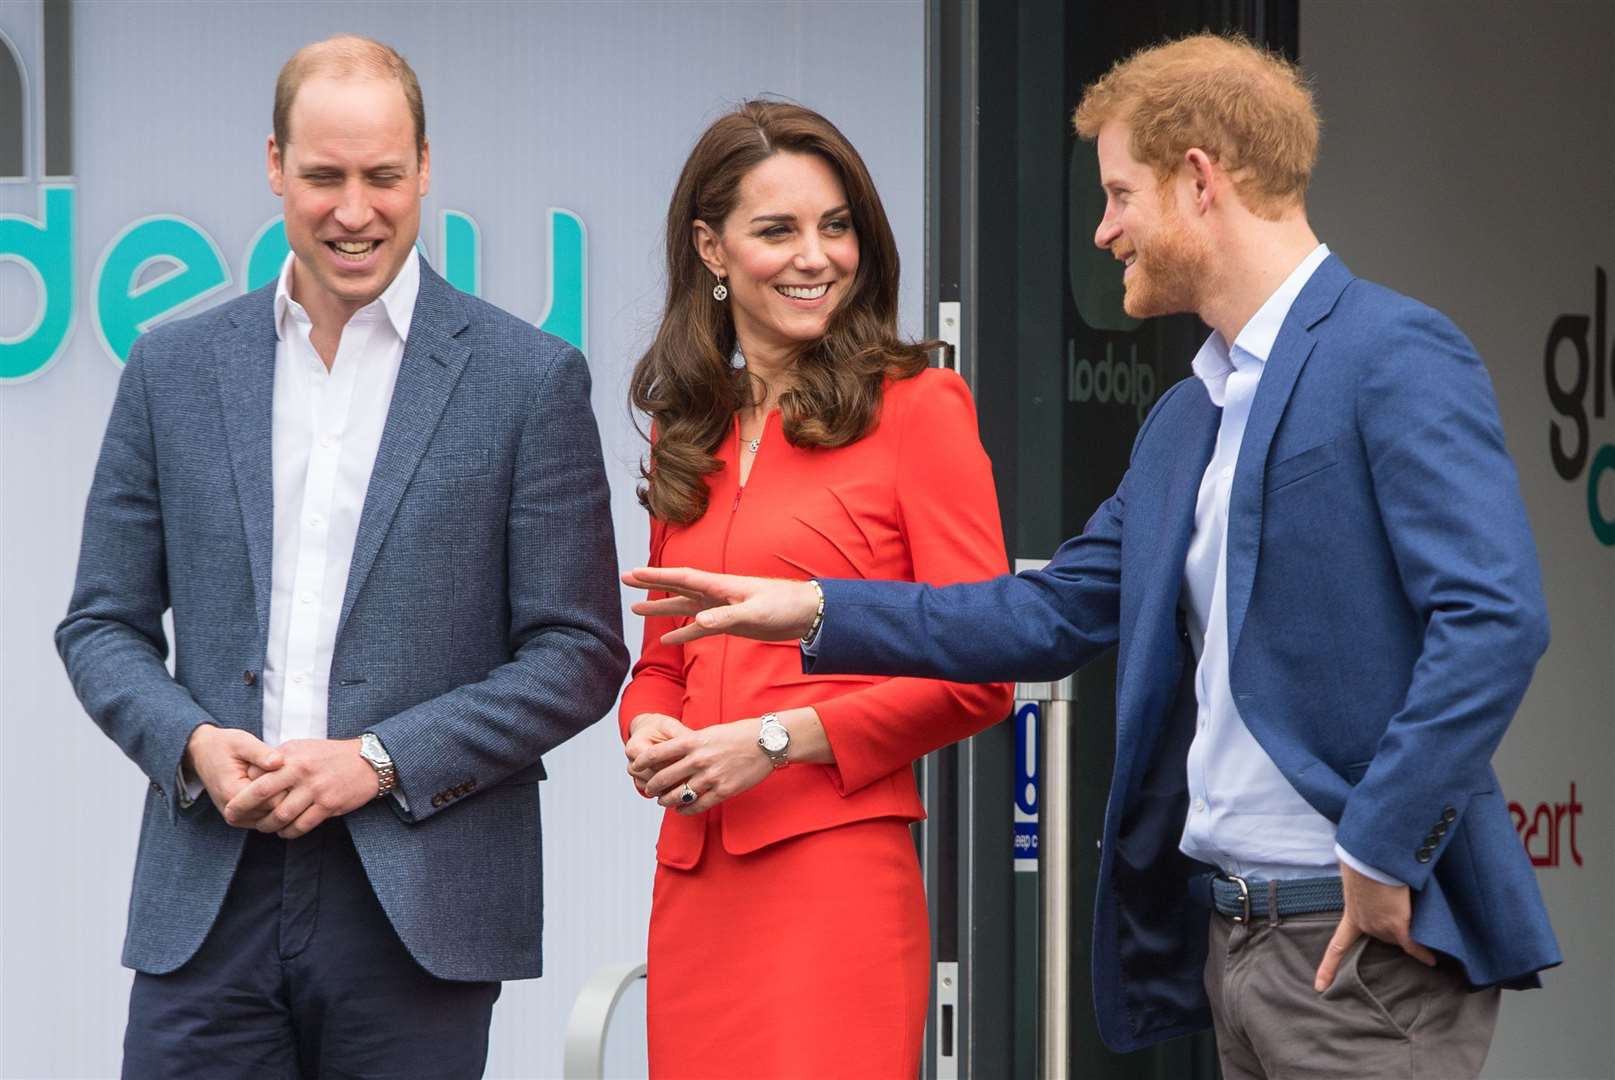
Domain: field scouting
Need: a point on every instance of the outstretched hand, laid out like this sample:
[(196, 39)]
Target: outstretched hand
[(768, 609)]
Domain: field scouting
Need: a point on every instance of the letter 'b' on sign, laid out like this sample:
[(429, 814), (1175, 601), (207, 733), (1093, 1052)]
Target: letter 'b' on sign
[(125, 306), (44, 248)]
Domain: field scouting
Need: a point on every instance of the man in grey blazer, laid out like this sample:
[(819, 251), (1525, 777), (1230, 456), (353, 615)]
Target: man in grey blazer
[(377, 510)]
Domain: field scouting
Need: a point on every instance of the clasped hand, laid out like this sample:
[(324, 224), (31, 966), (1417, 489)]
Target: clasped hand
[(717, 762), (286, 790)]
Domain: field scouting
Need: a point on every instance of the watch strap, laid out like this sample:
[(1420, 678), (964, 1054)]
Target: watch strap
[(386, 773)]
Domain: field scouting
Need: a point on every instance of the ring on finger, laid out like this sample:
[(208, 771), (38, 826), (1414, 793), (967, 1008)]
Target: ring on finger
[(687, 795)]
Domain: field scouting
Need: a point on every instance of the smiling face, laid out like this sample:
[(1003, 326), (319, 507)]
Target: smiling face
[(787, 251), (351, 184), (1167, 261)]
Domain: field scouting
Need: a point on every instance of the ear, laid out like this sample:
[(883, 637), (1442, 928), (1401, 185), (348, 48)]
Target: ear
[(709, 246), (426, 167), (1204, 176), (277, 178)]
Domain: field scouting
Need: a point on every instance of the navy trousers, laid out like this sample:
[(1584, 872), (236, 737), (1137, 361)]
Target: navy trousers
[(302, 976)]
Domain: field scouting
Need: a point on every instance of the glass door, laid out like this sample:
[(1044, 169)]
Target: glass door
[(1062, 379)]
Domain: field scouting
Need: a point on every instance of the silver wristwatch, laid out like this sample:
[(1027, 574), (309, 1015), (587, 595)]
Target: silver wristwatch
[(774, 740), (371, 750)]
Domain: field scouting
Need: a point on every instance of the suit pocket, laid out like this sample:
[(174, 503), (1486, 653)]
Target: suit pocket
[(1298, 467), (452, 465)]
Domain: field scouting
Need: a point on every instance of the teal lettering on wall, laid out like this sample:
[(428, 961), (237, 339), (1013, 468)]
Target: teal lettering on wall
[(462, 255), (44, 248), (1603, 462), (266, 251), (566, 315), (125, 306), (163, 265)]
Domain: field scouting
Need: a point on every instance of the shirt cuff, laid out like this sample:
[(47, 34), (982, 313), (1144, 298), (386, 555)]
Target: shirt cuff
[(1364, 869), (190, 789)]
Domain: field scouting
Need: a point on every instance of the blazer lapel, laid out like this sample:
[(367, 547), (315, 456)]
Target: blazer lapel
[(1162, 574), (431, 365), (245, 375), (1290, 353)]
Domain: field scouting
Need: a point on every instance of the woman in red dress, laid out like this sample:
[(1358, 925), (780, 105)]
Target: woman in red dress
[(794, 435)]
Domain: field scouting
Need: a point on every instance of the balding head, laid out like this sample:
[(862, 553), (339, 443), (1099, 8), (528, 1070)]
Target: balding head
[(346, 56)]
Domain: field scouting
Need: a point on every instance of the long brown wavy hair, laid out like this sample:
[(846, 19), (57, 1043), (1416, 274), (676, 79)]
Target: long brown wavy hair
[(686, 383)]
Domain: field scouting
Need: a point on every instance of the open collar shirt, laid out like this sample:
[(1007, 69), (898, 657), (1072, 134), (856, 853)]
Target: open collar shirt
[(1244, 816), (326, 432)]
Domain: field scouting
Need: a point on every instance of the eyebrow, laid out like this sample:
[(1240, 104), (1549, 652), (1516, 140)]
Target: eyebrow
[(317, 168), (787, 218)]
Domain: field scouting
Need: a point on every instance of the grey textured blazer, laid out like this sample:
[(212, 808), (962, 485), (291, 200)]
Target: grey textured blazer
[(481, 625)]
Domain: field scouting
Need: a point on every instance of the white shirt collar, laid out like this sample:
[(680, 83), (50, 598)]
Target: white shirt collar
[(1216, 361), (396, 303)]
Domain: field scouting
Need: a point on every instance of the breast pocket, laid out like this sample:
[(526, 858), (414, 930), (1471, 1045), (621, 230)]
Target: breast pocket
[(453, 465), (1298, 467)]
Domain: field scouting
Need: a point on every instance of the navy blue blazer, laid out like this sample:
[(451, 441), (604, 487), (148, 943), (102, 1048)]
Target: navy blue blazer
[(480, 627), (1385, 614)]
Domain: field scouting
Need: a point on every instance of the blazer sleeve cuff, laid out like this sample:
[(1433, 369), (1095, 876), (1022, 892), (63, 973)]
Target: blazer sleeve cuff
[(1404, 840)]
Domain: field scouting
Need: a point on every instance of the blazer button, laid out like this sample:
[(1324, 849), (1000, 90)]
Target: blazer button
[(250, 678), (1423, 854), (1432, 841), (437, 800), (1449, 815), (158, 788), (1440, 828)]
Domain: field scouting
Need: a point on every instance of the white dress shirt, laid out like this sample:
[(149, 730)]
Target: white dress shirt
[(325, 435), (1244, 816), (325, 432)]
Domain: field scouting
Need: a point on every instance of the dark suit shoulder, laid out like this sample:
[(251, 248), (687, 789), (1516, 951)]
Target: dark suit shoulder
[(500, 334), (196, 331), (184, 346)]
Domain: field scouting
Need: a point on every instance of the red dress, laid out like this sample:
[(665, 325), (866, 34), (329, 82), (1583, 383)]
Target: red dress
[(788, 932)]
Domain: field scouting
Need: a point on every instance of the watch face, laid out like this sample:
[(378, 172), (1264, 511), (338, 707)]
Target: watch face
[(371, 750), (774, 738)]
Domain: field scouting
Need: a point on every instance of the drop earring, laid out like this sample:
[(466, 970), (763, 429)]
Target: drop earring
[(720, 291)]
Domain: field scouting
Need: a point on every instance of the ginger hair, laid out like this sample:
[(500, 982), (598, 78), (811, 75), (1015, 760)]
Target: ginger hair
[(1249, 109)]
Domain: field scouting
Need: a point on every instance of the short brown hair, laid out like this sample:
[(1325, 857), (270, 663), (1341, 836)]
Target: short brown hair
[(1249, 109), (343, 56), (685, 381)]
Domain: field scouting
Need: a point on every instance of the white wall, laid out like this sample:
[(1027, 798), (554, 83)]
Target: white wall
[(587, 106), (1469, 160)]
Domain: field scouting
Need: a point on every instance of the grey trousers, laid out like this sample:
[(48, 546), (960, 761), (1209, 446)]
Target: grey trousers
[(1387, 1015)]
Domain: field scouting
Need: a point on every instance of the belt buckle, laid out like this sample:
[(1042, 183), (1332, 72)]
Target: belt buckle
[(1244, 917)]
